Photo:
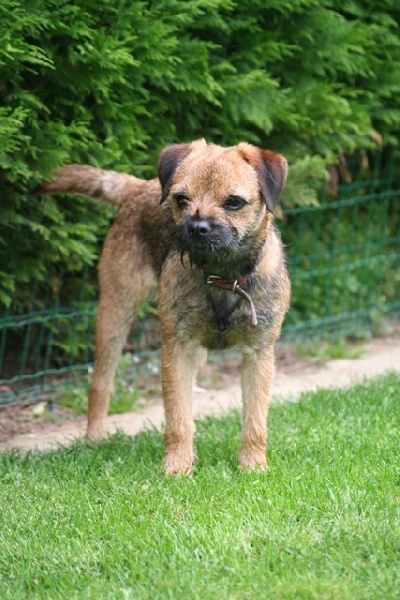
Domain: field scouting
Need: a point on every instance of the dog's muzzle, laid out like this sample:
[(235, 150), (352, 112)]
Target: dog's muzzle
[(203, 237)]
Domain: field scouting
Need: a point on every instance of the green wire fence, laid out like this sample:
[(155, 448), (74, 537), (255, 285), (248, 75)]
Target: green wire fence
[(344, 261)]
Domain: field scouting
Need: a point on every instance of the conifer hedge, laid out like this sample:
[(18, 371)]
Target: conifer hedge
[(110, 83)]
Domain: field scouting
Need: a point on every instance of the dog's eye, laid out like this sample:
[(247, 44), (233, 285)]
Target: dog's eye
[(234, 203), (181, 200)]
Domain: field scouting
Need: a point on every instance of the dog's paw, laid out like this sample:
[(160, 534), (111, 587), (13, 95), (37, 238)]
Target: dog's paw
[(178, 462), (253, 460), (96, 433)]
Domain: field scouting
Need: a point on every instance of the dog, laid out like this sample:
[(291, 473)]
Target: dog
[(203, 236)]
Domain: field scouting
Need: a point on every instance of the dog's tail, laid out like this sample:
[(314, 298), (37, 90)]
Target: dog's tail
[(95, 183)]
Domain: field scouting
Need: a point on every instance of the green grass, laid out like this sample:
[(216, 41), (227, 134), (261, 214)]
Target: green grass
[(103, 522)]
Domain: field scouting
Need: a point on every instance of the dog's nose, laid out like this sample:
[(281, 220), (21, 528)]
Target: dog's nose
[(199, 228)]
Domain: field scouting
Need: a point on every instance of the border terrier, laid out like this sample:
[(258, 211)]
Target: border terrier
[(203, 236)]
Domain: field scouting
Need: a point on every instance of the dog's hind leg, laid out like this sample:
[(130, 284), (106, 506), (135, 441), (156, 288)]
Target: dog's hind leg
[(121, 294), (112, 327)]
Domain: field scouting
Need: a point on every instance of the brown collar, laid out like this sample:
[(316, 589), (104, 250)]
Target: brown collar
[(234, 286)]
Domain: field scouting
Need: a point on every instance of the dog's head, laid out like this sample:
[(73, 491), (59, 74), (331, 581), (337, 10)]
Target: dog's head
[(222, 198)]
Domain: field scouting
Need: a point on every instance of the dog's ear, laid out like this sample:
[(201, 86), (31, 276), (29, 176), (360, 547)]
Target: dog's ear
[(271, 169), (170, 157)]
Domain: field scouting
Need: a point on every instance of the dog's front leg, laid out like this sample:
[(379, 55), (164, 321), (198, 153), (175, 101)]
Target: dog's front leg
[(257, 375), (179, 364)]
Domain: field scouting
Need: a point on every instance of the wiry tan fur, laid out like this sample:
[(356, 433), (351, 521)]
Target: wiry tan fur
[(144, 252)]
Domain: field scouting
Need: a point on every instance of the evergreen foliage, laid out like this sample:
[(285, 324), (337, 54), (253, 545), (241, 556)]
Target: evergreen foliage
[(110, 83)]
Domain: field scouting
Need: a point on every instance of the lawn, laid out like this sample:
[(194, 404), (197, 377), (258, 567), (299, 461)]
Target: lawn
[(103, 522)]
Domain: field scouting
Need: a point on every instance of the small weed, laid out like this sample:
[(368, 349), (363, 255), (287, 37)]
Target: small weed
[(75, 399), (134, 381), (332, 350)]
